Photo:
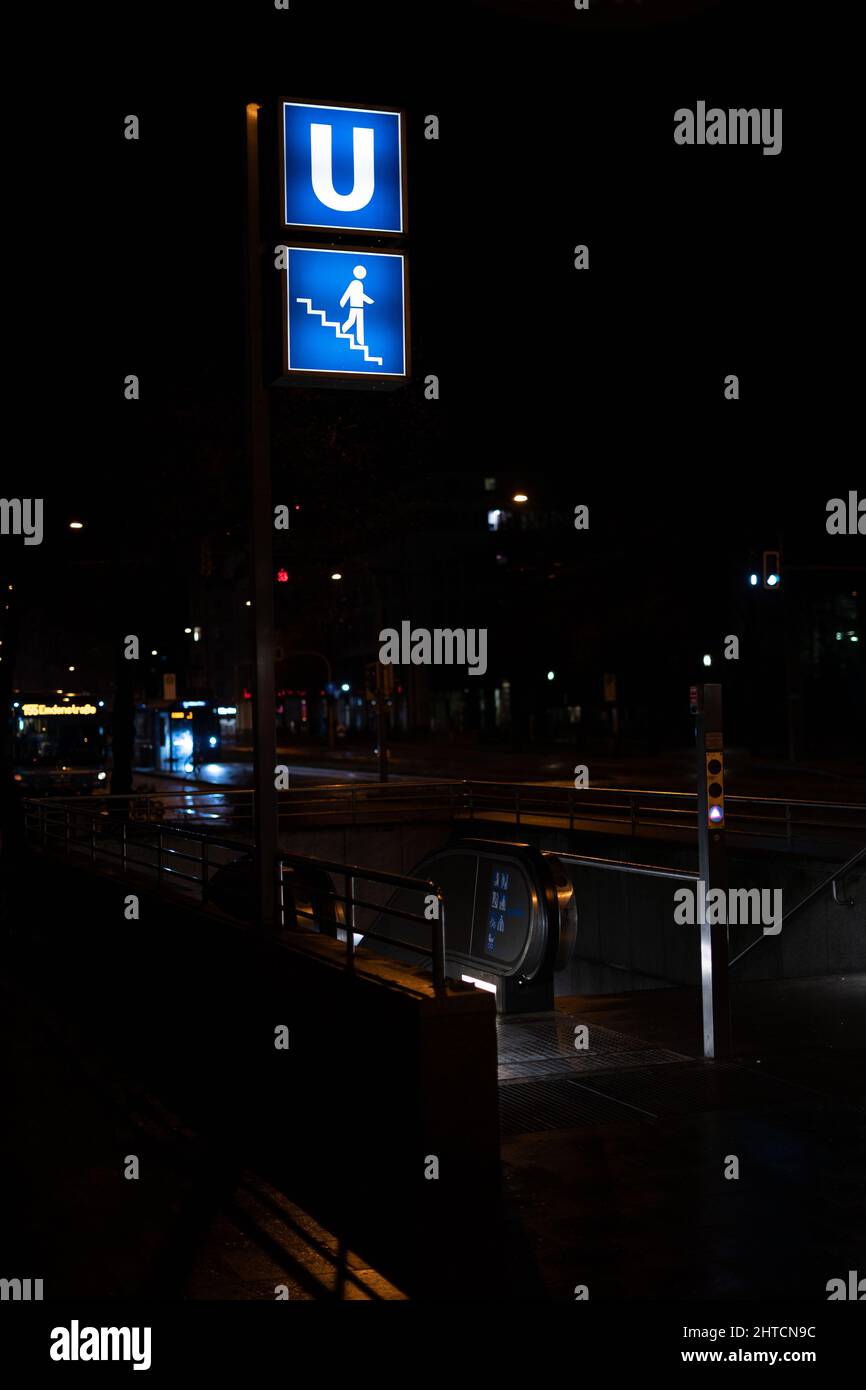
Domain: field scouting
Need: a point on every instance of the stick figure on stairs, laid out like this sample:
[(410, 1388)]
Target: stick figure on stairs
[(354, 293)]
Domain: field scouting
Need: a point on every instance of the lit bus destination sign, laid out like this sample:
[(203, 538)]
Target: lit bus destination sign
[(29, 711)]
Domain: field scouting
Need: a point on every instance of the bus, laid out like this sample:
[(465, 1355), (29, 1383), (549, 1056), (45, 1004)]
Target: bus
[(60, 745)]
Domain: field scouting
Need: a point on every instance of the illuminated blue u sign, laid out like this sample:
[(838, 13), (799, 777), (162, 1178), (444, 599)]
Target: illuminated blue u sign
[(342, 168)]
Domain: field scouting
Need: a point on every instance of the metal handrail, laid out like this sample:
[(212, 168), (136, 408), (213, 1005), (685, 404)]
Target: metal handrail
[(622, 866), (470, 787), (75, 806), (393, 790), (813, 893), (45, 815), (351, 873)]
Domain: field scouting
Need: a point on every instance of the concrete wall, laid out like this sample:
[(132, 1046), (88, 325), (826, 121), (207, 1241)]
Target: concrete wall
[(381, 1072), (394, 848), (628, 938), (627, 921)]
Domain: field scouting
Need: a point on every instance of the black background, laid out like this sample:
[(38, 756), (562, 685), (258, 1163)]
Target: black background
[(603, 387), (556, 129)]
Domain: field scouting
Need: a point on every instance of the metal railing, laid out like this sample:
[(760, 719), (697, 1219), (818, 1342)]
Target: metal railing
[(631, 811), (637, 810), (355, 803), (184, 859), (170, 854), (352, 874), (623, 866), (831, 881)]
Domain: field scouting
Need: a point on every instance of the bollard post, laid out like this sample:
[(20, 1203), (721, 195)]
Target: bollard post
[(713, 868)]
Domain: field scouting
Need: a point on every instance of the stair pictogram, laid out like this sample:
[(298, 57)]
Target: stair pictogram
[(350, 337)]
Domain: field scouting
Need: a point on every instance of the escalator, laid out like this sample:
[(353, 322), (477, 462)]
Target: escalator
[(510, 925)]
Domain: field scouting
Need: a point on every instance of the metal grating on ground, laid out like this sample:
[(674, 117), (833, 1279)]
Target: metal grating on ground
[(526, 1107), (546, 1083), (541, 1046), (636, 1095)]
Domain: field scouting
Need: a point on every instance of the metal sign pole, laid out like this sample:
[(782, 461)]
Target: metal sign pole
[(381, 723), (262, 521), (713, 868)]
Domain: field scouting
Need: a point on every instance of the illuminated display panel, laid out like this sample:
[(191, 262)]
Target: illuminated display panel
[(31, 711), (488, 908), (502, 912)]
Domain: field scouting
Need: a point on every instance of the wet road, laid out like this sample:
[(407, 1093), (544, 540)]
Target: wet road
[(239, 775)]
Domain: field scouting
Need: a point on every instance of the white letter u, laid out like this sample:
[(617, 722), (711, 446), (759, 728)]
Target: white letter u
[(323, 168)]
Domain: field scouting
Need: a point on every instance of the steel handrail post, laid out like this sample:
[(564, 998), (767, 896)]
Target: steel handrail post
[(350, 921), (439, 944)]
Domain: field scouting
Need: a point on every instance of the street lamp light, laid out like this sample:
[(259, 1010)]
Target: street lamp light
[(76, 525), (520, 497)]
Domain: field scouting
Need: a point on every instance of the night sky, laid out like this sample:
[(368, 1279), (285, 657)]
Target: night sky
[(603, 388)]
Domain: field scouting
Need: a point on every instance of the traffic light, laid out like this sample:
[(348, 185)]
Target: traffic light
[(715, 788), (772, 569)]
